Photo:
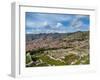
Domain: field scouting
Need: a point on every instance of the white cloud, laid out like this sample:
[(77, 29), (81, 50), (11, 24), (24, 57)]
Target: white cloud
[(59, 25), (45, 23), (77, 23), (36, 24), (54, 31), (28, 32), (51, 17)]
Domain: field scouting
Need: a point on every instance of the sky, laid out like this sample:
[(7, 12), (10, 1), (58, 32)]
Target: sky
[(36, 23)]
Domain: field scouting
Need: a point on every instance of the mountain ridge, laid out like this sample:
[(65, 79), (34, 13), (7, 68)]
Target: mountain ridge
[(56, 40)]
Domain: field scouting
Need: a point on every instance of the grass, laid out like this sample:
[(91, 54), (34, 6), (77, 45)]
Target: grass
[(50, 61), (71, 58), (43, 59)]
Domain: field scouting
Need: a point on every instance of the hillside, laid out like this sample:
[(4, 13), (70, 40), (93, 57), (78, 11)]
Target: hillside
[(55, 40), (57, 49)]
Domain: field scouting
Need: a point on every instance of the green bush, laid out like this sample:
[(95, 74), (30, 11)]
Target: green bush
[(70, 58), (28, 58)]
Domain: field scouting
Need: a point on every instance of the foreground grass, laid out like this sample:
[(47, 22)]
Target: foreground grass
[(50, 61), (41, 58)]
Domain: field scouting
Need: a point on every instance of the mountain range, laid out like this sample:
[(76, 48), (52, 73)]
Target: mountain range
[(57, 40)]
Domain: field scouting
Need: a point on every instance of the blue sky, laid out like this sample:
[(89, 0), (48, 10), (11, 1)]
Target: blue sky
[(55, 23)]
